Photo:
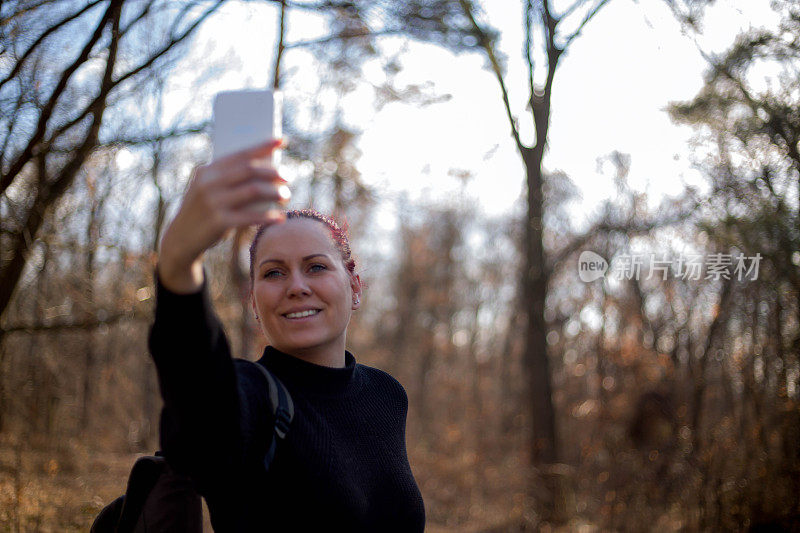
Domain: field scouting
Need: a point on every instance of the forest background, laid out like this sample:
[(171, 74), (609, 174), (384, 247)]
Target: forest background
[(654, 397)]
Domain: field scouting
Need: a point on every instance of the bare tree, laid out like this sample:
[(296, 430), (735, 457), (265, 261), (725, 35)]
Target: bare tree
[(52, 118), (459, 26)]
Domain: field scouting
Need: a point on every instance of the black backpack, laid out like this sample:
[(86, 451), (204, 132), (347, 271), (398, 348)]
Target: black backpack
[(158, 499)]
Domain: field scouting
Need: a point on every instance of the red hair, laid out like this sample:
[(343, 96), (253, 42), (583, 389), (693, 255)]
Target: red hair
[(338, 235)]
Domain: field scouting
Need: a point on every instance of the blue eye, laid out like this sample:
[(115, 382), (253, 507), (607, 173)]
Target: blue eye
[(317, 267), (272, 273)]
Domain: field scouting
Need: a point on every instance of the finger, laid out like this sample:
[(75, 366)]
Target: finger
[(238, 172), (256, 152), (251, 171), (238, 161), (253, 192), (246, 217), (276, 216), (263, 149)]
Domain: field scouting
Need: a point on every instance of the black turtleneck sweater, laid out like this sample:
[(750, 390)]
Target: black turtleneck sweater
[(343, 465)]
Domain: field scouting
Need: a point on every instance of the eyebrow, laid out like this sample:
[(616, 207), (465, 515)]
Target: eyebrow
[(281, 261)]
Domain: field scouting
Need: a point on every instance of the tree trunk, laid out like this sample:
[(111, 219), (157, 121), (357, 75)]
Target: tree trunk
[(543, 444), (698, 394), (544, 440)]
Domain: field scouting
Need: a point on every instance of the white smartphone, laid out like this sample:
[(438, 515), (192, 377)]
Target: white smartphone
[(243, 119)]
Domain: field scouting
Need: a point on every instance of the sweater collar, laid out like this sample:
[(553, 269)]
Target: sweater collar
[(311, 377)]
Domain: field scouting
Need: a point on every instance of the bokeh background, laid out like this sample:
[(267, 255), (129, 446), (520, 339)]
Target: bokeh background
[(475, 150)]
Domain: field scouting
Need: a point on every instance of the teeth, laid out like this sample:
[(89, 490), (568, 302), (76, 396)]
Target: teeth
[(302, 314)]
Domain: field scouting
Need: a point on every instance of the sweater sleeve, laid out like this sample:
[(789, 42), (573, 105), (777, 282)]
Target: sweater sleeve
[(201, 421)]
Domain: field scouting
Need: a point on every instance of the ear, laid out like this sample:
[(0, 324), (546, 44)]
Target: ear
[(253, 305), (356, 286)]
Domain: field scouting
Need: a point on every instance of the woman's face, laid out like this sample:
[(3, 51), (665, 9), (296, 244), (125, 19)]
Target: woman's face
[(302, 294)]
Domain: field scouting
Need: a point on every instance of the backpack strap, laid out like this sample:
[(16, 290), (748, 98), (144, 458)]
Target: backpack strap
[(282, 407), (144, 476)]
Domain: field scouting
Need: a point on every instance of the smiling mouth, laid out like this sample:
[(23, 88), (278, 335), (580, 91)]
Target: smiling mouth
[(302, 314)]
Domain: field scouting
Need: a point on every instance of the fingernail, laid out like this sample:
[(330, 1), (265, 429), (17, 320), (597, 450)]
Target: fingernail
[(284, 192)]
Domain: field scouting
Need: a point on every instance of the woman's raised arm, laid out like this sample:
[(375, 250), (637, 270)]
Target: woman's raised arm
[(221, 196)]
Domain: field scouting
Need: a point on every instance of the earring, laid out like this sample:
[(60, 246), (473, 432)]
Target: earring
[(355, 300)]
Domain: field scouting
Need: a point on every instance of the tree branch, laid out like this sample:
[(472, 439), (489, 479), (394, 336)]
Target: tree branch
[(161, 137), (319, 6), (47, 193), (50, 30), (166, 48), (571, 9), (142, 14), (529, 51), (775, 127), (67, 325), (47, 111), (22, 10), (607, 227), (549, 24), (342, 37), (541, 112), (12, 123), (276, 77), (143, 139), (589, 16), (486, 44)]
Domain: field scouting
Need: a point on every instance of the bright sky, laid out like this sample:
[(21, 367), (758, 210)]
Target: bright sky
[(610, 93)]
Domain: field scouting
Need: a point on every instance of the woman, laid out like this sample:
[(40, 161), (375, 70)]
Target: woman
[(343, 465)]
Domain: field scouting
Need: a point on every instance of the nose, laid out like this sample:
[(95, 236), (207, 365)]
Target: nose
[(298, 286)]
